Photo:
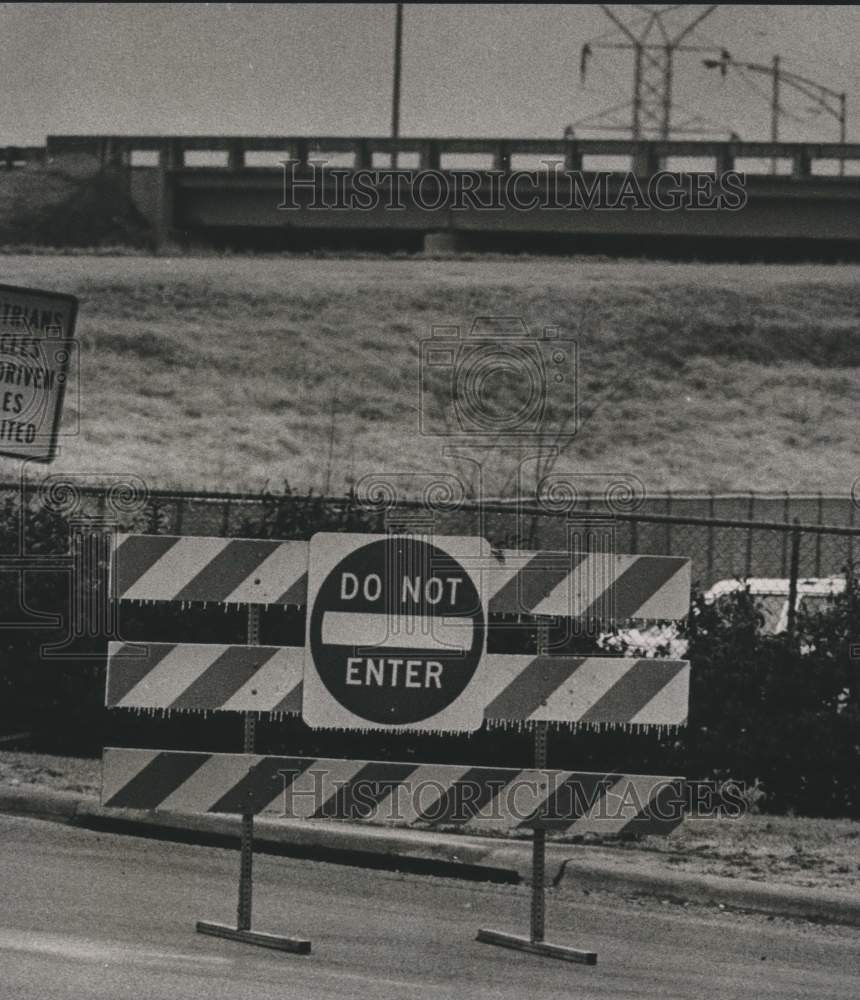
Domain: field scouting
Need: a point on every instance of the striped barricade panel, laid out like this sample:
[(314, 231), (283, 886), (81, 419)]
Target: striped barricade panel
[(596, 586), (242, 570), (202, 677), (594, 690), (217, 570), (587, 690), (399, 794)]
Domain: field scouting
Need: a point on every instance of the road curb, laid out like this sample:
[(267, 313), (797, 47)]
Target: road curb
[(779, 901), (43, 803), (568, 866)]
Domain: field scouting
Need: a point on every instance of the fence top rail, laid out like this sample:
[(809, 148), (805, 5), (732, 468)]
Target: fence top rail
[(491, 507), (167, 493)]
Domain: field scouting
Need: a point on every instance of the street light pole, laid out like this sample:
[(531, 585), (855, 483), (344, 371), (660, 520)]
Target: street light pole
[(395, 93), (774, 111), (825, 99), (842, 131)]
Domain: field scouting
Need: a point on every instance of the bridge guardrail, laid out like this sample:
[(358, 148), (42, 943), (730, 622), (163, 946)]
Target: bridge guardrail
[(430, 153)]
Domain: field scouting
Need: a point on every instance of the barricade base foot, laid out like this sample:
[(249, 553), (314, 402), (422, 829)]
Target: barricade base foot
[(298, 946), (537, 947)]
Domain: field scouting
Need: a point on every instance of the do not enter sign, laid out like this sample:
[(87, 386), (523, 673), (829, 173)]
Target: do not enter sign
[(396, 631)]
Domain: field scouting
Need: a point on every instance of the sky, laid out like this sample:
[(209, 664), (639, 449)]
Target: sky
[(325, 69)]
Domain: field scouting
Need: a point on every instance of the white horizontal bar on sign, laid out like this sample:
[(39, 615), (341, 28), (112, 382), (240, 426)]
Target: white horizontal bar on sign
[(386, 631)]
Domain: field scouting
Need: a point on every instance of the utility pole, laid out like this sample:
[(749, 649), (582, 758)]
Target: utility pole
[(654, 42), (829, 101), (395, 91), (774, 111)]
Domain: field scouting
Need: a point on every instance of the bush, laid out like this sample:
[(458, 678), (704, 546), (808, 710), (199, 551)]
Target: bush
[(783, 710)]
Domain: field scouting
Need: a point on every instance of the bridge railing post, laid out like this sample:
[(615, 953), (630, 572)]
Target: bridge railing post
[(236, 155), (502, 157), (430, 155), (573, 156), (170, 157), (801, 163), (302, 152), (363, 155), (725, 159), (646, 160)]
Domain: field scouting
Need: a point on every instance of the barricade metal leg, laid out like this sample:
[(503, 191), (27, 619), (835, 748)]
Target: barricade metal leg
[(246, 847), (538, 911), (535, 942), (242, 931)]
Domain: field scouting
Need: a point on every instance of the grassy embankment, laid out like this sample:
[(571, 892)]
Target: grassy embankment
[(226, 372)]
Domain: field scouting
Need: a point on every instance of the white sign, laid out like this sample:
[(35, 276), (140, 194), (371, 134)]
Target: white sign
[(396, 631), (36, 331)]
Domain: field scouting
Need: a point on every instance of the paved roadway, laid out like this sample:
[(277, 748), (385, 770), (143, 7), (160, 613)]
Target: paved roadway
[(90, 915)]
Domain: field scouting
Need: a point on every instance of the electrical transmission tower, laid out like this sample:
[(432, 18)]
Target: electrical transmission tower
[(654, 34)]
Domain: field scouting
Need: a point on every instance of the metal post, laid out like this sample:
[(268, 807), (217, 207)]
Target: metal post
[(842, 133), (794, 573), (395, 94), (242, 931), (535, 942), (774, 111), (710, 556), (750, 517), (637, 92), (786, 512), (668, 523), (538, 914), (667, 94), (154, 517), (246, 863), (818, 534)]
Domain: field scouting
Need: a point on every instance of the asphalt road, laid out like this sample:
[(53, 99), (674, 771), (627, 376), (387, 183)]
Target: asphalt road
[(90, 915)]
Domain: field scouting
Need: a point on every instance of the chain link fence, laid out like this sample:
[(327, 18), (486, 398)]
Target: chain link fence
[(824, 541)]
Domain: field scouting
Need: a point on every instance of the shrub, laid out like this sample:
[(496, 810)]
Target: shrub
[(783, 710)]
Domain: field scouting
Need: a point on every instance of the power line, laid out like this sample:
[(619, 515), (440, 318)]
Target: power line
[(826, 99)]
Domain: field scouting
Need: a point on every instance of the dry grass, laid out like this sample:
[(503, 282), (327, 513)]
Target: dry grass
[(45, 771), (227, 372), (791, 850)]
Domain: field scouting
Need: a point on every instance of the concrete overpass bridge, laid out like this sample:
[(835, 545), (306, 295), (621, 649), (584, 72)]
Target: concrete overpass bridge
[(507, 194)]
